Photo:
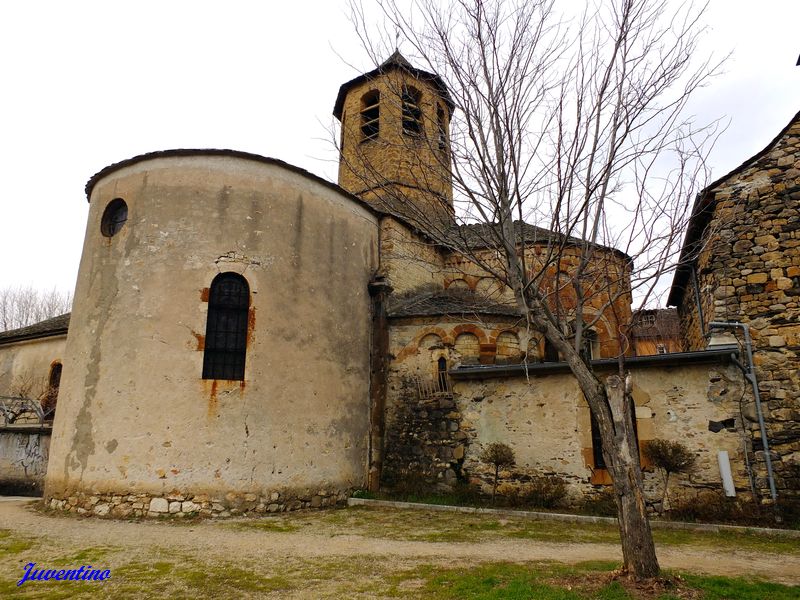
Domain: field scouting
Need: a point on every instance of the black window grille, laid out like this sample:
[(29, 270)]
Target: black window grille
[(114, 217), (226, 327), (597, 445)]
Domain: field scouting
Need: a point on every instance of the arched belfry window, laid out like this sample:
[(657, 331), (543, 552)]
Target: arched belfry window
[(412, 113), (226, 327), (441, 128), (370, 115)]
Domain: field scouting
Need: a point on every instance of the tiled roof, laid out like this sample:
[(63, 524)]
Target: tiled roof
[(449, 302), (476, 235), (55, 326), (666, 324)]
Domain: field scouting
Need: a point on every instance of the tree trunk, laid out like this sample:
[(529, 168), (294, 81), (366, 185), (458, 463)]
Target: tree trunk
[(622, 458)]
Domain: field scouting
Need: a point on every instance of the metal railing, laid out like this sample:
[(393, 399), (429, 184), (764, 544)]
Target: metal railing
[(15, 410), (437, 387)]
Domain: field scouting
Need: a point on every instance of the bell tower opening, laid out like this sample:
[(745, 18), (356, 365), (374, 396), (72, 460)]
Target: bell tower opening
[(394, 149)]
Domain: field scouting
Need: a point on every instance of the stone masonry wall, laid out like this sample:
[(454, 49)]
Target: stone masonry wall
[(193, 505), (749, 272)]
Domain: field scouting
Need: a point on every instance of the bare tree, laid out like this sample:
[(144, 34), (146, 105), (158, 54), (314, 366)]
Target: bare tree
[(575, 124), (23, 306)]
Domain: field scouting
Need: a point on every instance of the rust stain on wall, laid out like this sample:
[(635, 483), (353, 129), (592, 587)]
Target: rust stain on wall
[(251, 324), (212, 398), (204, 294), (201, 340)]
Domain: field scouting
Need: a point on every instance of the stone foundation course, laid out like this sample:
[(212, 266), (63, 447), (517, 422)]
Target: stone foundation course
[(176, 504)]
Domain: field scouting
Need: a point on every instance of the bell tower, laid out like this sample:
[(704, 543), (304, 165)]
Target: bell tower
[(395, 141)]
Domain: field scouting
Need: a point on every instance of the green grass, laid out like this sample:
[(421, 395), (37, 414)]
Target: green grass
[(9, 544), (504, 581), (432, 526), (725, 588)]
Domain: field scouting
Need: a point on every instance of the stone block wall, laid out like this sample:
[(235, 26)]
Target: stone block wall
[(176, 504), (749, 272)]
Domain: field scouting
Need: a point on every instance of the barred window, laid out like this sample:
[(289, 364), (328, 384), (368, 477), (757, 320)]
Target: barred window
[(412, 113), (370, 115), (597, 444), (226, 327)]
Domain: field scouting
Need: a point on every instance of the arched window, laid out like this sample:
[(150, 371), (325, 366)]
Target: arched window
[(51, 395), (590, 344), (441, 374), (441, 128), (370, 115), (226, 327), (412, 113)]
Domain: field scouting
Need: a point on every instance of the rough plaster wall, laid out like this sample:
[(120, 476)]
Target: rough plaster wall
[(23, 461), (29, 360), (436, 441), (547, 424), (134, 413)]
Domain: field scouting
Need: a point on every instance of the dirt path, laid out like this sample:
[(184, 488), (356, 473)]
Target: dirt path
[(210, 540)]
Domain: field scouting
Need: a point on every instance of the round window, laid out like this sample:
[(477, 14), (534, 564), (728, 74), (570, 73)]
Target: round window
[(114, 217)]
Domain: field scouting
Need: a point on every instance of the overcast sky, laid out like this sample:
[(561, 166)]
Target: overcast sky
[(86, 84)]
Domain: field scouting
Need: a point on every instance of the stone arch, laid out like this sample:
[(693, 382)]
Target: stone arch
[(493, 288), (508, 348), (428, 341), (469, 328), (414, 345), (458, 284), (467, 346)]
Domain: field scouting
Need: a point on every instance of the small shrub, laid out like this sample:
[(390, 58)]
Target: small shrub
[(669, 457), (600, 504), (712, 506), (499, 455), (544, 491)]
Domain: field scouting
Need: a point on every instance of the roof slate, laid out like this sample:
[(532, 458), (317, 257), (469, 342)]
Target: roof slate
[(395, 61), (50, 327), (449, 303)]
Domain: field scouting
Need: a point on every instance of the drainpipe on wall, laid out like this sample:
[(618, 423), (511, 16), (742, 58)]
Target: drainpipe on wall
[(379, 290), (750, 375)]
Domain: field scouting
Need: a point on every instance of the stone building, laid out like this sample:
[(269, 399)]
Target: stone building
[(30, 376), (741, 264), (655, 331), (247, 337)]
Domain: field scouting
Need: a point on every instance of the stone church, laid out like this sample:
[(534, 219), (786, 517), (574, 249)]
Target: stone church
[(248, 337)]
